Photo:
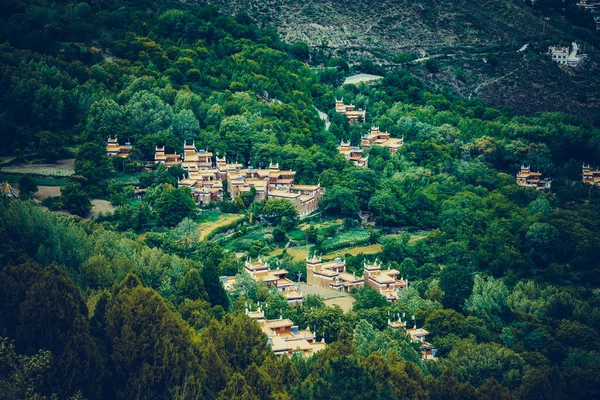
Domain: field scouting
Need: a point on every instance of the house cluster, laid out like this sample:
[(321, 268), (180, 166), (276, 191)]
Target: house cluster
[(588, 5), (272, 183), (113, 148), (375, 137), (416, 335), (590, 176), (205, 179), (384, 281), (333, 275), (350, 111), (274, 278), (564, 55), (527, 178), (284, 337)]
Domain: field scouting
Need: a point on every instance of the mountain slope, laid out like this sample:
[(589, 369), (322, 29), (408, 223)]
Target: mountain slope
[(462, 35), (391, 25)]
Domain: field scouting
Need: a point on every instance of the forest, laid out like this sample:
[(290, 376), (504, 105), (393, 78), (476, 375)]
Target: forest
[(130, 303)]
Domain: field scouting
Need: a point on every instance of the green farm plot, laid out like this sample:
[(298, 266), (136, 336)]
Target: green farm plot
[(61, 168), (296, 234), (244, 242), (13, 179), (210, 216), (300, 253), (325, 224), (6, 160), (38, 170), (371, 249), (131, 179), (414, 237), (346, 239)]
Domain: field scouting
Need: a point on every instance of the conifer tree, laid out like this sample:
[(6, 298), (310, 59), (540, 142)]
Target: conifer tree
[(214, 287)]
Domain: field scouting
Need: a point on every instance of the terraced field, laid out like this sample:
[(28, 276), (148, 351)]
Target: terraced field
[(60, 168), (208, 227), (300, 253)]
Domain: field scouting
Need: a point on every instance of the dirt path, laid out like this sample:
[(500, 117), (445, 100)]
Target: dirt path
[(487, 83), (324, 117)]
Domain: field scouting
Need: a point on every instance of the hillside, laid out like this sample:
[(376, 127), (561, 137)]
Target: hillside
[(460, 34), (391, 26)]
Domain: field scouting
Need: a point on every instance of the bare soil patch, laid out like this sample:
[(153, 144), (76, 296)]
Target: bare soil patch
[(345, 303), (46, 191), (330, 297), (101, 206)]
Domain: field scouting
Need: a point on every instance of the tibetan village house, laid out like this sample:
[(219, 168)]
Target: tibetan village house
[(419, 335), (113, 148), (169, 160), (353, 115), (274, 183), (273, 278), (567, 56), (284, 337), (416, 335), (203, 179), (195, 159), (331, 275), (527, 178), (590, 176), (385, 282), (383, 139), (354, 154)]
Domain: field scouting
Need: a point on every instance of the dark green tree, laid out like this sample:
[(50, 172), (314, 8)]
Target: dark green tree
[(281, 212), (279, 235), (191, 287), (237, 388), (53, 316), (27, 186), (91, 162), (214, 287), (75, 199), (20, 375), (367, 297), (340, 201), (174, 205), (457, 283), (151, 347)]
